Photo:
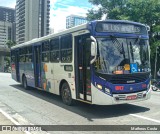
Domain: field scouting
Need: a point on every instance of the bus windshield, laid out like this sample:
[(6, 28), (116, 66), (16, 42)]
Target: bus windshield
[(117, 54)]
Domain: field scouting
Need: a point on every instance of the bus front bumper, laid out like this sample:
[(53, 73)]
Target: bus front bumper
[(100, 98)]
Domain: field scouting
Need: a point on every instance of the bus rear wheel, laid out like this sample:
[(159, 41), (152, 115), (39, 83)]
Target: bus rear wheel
[(24, 82), (66, 94)]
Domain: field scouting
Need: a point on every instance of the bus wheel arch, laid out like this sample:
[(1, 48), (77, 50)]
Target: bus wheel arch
[(65, 93)]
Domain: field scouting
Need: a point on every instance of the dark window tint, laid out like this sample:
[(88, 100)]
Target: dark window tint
[(54, 44), (22, 58), (45, 51), (22, 53), (54, 54), (12, 59), (45, 57), (29, 50), (13, 56), (45, 46), (29, 58), (66, 48), (29, 54)]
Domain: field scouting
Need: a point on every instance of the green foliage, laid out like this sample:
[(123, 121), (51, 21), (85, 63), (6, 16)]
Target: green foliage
[(7, 58), (94, 15), (10, 43)]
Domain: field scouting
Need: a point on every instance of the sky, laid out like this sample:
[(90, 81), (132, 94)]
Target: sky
[(60, 9)]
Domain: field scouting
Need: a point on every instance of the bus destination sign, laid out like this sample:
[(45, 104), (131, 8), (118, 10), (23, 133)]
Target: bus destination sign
[(120, 28)]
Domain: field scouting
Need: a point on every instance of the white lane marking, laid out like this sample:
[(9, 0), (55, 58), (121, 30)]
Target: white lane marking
[(12, 120), (146, 118)]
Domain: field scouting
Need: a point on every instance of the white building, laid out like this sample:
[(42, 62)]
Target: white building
[(32, 19), (74, 20), (7, 32)]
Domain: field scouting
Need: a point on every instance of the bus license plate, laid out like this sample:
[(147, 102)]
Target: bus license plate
[(132, 97)]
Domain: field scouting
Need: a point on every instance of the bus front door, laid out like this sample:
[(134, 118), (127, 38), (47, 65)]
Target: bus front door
[(37, 66), (83, 70)]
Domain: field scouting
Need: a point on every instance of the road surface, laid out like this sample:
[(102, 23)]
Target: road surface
[(41, 108)]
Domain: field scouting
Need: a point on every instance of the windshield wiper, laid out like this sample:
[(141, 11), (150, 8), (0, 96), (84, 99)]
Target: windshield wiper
[(131, 48), (137, 40), (119, 46)]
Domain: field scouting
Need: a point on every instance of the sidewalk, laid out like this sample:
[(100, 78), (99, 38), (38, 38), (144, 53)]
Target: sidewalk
[(5, 121)]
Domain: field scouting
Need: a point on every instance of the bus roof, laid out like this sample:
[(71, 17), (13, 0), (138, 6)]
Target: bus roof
[(71, 30), (120, 21)]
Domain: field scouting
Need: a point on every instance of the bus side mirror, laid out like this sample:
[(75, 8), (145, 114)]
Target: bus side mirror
[(148, 28), (93, 49)]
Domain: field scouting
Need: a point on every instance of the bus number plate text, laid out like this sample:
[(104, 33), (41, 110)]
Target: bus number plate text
[(132, 97)]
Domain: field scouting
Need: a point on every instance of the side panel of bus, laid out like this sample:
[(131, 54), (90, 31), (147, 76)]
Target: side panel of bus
[(63, 69)]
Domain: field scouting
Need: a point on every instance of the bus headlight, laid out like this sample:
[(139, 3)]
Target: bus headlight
[(107, 90), (99, 86)]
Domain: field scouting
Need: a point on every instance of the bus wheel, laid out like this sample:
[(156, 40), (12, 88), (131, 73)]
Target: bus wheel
[(24, 82), (154, 88), (66, 94)]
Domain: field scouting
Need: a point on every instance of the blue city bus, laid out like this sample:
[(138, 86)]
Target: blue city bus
[(100, 62)]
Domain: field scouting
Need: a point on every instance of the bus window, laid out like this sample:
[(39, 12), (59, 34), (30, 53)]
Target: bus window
[(45, 51), (29, 54), (54, 50), (12, 56), (29, 50), (66, 49), (22, 55), (12, 59)]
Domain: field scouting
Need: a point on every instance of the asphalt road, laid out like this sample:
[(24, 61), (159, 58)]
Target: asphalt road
[(41, 108)]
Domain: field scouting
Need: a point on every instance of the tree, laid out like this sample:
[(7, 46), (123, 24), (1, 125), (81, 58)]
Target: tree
[(113, 8), (144, 11), (10, 43)]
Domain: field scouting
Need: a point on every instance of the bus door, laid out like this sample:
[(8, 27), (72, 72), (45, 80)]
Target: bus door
[(37, 65), (83, 70), (17, 65)]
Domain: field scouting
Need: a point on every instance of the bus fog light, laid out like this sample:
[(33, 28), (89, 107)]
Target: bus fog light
[(107, 90)]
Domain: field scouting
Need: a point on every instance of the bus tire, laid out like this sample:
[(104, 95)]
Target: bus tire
[(24, 83), (66, 94), (154, 88)]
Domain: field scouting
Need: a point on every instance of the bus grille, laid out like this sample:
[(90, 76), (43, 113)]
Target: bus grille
[(126, 79)]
